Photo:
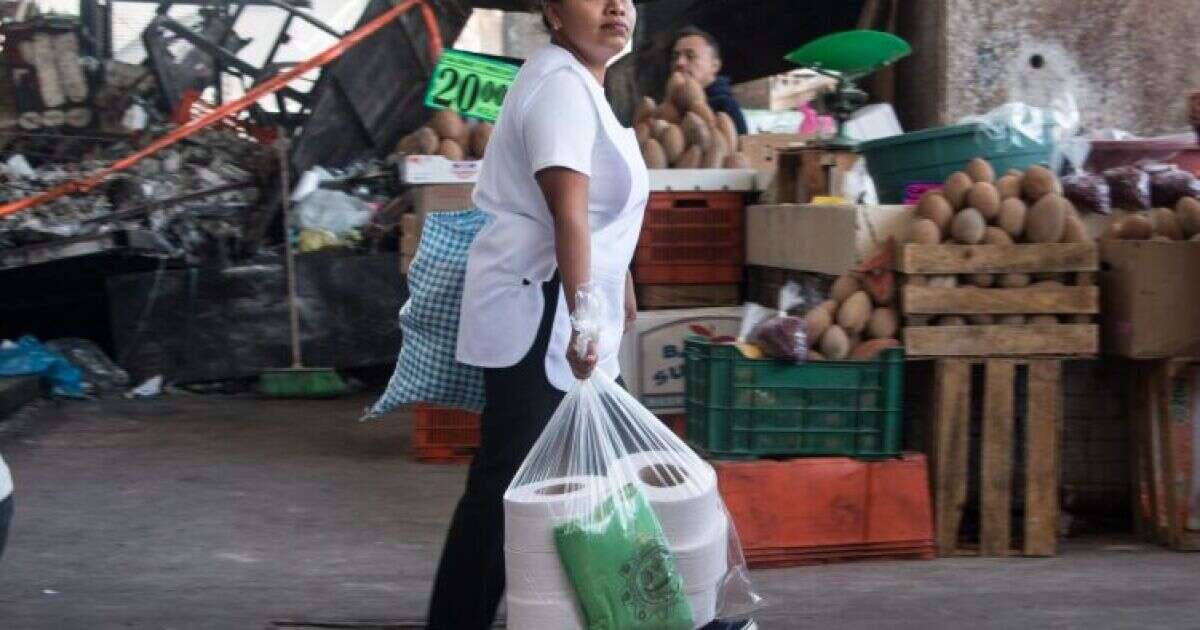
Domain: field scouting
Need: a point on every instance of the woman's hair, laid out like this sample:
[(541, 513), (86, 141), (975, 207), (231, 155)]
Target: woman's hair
[(539, 6)]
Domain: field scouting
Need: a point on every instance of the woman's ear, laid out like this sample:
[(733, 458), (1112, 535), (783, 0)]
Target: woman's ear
[(551, 17)]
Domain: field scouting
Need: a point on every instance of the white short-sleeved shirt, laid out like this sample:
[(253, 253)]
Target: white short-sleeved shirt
[(6, 485), (555, 114)]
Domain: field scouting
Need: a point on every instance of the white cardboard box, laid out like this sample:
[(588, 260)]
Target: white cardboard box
[(435, 169), (824, 239), (705, 179), (652, 352)]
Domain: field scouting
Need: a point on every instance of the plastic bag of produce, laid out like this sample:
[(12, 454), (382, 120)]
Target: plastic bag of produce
[(1129, 187), (613, 523), (1169, 184), (1088, 191), (779, 334)]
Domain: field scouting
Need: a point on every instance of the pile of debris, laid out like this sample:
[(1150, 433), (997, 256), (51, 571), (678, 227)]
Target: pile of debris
[(191, 202)]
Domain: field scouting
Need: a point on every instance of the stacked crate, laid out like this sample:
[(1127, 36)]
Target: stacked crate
[(691, 251), (1016, 337), (773, 427)]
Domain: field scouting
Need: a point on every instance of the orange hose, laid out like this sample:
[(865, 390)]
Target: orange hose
[(269, 86)]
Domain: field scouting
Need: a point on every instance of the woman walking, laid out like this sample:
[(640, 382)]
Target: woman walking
[(566, 186)]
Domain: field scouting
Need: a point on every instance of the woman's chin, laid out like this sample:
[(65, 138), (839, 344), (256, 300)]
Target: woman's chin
[(612, 46)]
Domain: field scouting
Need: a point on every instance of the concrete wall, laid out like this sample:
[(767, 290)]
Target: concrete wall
[(523, 34), (1128, 63)]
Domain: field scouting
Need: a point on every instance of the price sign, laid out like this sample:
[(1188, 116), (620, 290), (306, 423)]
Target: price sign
[(471, 84)]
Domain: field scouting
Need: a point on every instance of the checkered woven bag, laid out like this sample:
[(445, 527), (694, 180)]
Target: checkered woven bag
[(426, 370)]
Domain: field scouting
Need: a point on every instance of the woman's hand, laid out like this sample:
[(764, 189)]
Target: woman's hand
[(581, 367)]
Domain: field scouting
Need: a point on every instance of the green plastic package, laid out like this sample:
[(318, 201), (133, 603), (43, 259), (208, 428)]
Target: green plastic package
[(619, 565)]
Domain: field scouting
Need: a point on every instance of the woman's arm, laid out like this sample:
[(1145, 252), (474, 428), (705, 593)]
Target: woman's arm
[(566, 193), (630, 301)]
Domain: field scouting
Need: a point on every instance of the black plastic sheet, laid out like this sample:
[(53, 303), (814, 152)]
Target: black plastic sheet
[(197, 325)]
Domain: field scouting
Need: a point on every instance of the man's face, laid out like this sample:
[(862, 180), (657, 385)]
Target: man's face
[(695, 58)]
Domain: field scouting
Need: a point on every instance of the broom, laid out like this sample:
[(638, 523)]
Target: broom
[(296, 381)]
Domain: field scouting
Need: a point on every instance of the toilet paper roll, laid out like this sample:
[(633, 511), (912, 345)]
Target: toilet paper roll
[(562, 613), (533, 575), (531, 512), (704, 606), (682, 490), (705, 563), (547, 613)]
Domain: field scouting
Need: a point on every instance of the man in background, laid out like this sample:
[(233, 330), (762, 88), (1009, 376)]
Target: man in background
[(698, 55)]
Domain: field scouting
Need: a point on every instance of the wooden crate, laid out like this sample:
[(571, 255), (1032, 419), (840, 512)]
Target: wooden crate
[(652, 296), (807, 172), (1163, 409), (1078, 302), (950, 455)]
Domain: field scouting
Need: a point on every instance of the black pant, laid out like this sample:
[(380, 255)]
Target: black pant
[(6, 514), (520, 401)]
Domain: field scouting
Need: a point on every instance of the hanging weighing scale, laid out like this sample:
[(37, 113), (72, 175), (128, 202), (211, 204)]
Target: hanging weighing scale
[(847, 57)]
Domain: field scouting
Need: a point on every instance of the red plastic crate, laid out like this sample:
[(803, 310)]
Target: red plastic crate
[(687, 274), (691, 238), (677, 422), (835, 509), (446, 436)]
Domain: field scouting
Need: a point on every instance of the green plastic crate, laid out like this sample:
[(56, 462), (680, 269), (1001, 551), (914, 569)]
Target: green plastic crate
[(742, 408), (931, 155)]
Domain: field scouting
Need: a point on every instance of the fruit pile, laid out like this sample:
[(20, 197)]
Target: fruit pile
[(1159, 224), (448, 135), (683, 132), (1019, 207), (976, 208), (856, 322)]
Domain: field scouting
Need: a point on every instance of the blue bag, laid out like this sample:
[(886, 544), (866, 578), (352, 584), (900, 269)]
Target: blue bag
[(426, 371), (29, 356)]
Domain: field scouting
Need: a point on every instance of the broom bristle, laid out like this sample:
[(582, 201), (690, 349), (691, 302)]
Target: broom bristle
[(301, 383)]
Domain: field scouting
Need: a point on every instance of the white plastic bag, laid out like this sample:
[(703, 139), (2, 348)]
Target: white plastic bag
[(612, 522)]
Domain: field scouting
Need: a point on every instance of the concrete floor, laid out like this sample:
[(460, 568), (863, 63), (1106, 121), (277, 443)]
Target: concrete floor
[(229, 512)]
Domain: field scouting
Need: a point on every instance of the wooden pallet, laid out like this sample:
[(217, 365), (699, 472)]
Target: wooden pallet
[(1077, 303), (950, 453), (1162, 422)]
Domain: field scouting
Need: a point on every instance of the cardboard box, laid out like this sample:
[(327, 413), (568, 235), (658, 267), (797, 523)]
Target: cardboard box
[(824, 239), (435, 169), (435, 198), (1150, 296), (652, 352), (442, 197), (761, 148)]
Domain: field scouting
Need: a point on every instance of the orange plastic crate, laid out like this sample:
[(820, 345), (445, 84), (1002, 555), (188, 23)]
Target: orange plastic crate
[(691, 238), (847, 509), (443, 435)]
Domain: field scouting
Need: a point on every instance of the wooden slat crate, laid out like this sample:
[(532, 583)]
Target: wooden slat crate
[(1162, 418), (950, 448), (1075, 304)]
